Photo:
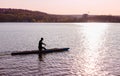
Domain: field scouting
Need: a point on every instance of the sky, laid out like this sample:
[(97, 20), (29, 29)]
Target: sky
[(71, 7)]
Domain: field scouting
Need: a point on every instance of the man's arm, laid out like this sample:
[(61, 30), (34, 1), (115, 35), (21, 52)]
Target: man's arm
[(44, 44)]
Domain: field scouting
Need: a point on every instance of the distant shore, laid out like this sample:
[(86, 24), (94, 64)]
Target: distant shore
[(21, 15)]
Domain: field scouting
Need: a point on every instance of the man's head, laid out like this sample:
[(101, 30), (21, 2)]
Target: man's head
[(41, 38)]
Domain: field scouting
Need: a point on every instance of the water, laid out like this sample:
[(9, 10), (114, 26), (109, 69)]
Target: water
[(94, 49)]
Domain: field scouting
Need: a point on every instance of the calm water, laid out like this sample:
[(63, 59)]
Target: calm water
[(94, 49)]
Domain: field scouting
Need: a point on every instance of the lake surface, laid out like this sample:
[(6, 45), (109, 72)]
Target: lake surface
[(94, 49)]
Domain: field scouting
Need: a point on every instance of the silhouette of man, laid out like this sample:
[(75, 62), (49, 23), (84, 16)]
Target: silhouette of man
[(40, 47)]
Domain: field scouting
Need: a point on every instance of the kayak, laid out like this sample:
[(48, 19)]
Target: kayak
[(38, 52)]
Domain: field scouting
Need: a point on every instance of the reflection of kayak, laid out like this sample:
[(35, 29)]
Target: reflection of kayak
[(37, 51)]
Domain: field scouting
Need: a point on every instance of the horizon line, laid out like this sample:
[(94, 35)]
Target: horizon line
[(57, 14)]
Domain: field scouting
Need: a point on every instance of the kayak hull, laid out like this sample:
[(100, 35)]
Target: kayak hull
[(38, 52)]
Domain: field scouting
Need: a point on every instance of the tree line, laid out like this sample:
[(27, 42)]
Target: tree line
[(22, 15)]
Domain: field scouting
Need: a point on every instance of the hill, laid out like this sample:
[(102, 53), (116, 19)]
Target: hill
[(22, 15)]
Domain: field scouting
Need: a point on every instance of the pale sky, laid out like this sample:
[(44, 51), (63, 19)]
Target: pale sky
[(100, 7)]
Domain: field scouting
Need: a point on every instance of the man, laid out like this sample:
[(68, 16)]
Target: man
[(40, 47)]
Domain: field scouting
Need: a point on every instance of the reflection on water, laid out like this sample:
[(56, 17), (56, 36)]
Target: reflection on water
[(94, 49), (40, 57), (94, 35)]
